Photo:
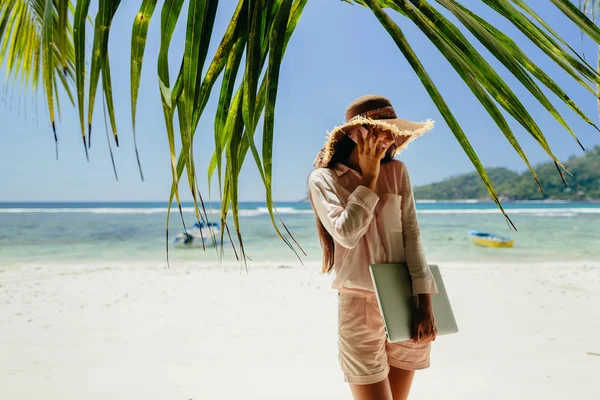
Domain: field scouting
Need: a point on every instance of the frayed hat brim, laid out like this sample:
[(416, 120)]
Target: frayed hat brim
[(404, 132)]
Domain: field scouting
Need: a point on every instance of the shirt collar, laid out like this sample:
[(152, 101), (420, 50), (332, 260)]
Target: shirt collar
[(341, 169)]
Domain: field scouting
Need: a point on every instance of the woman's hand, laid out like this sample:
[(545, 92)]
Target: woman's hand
[(425, 330), (370, 152)]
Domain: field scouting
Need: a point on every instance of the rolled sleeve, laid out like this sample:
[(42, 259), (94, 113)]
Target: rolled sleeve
[(365, 197), (424, 284), (422, 279), (346, 223)]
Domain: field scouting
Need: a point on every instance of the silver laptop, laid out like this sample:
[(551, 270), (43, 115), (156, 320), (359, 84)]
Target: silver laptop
[(393, 286)]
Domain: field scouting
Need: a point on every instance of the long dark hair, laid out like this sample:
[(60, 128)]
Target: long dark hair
[(342, 150)]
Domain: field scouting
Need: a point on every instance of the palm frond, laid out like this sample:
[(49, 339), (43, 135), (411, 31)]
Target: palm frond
[(592, 9), (99, 63), (81, 13), (35, 41), (138, 46), (21, 23), (475, 71)]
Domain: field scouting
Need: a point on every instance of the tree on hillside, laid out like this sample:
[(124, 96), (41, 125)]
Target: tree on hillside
[(583, 183)]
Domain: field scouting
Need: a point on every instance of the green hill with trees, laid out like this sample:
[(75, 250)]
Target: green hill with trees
[(584, 184)]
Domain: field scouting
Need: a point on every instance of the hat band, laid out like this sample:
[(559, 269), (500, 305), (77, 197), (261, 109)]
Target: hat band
[(380, 113)]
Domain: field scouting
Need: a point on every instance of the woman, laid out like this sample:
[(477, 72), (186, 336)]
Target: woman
[(366, 215)]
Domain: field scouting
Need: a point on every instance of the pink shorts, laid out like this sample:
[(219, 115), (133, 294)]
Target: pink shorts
[(365, 354)]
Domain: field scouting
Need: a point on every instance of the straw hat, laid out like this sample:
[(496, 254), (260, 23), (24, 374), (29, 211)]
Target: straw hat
[(378, 112)]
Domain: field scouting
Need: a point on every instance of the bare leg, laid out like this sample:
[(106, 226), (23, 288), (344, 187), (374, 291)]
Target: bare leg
[(400, 381), (375, 391)]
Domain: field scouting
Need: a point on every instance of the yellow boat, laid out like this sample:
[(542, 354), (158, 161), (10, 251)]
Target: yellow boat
[(490, 240)]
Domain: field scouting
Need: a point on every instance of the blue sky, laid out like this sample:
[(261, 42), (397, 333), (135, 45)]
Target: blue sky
[(338, 53)]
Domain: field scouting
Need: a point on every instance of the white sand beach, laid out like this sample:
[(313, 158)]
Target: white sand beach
[(527, 331)]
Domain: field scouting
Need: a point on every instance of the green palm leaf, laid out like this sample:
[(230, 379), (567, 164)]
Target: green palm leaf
[(579, 18), (81, 12), (277, 44), (34, 43), (509, 62), (592, 7), (562, 57), (21, 30), (253, 55), (62, 32), (519, 55), (138, 46), (232, 176), (48, 63), (400, 40), (169, 16), (448, 41), (106, 13), (226, 93), (191, 62), (521, 4)]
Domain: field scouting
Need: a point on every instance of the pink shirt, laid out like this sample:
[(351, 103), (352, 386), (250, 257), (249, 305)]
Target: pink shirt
[(370, 227)]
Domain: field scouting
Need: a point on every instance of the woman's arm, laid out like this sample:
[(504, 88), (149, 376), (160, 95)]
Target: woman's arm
[(346, 224), (422, 279), (424, 329)]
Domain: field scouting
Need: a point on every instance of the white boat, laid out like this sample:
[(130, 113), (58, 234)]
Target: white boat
[(199, 234)]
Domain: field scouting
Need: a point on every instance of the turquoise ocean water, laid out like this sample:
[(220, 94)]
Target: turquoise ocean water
[(135, 232)]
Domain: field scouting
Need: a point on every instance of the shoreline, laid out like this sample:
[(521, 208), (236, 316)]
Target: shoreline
[(159, 202), (478, 201), (289, 263)]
